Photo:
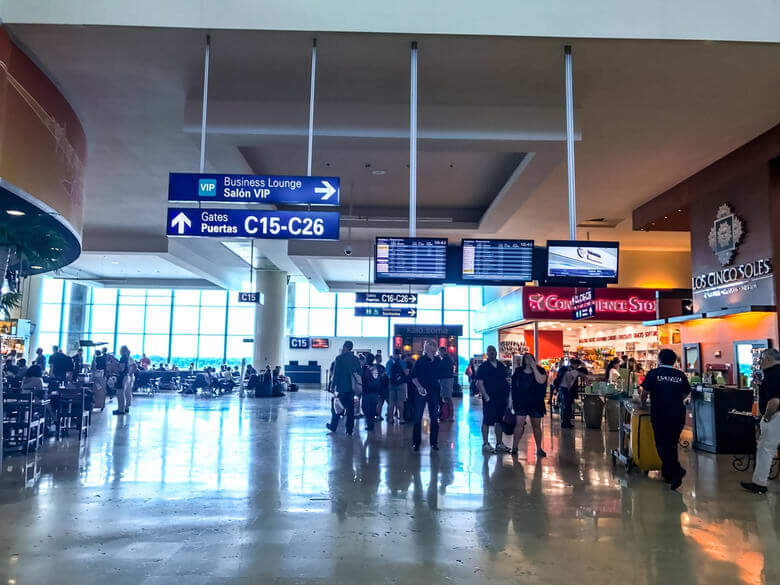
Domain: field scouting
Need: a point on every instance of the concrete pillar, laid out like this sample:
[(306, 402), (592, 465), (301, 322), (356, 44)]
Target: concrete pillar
[(32, 305), (270, 318), (76, 318)]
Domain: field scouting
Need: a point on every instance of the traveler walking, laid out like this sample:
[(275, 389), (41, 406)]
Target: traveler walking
[(372, 384), (493, 385), (425, 378), (447, 383), (768, 403), (566, 383), (346, 373), (529, 388), (398, 374)]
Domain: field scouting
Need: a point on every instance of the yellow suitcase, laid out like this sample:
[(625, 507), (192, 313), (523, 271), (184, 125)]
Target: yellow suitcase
[(643, 451)]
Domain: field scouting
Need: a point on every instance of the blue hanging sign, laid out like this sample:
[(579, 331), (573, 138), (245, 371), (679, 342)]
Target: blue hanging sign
[(251, 297), (253, 189), (384, 312), (245, 223)]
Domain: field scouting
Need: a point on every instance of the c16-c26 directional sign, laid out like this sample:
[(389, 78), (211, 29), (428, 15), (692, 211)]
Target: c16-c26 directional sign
[(386, 298), (244, 223), (384, 312), (253, 189)]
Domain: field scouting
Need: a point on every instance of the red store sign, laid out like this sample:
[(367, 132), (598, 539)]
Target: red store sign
[(612, 304)]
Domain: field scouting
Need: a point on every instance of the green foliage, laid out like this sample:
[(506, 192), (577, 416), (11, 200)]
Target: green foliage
[(10, 301)]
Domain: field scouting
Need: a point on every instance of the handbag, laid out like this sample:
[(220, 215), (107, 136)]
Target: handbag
[(338, 408), (508, 422)]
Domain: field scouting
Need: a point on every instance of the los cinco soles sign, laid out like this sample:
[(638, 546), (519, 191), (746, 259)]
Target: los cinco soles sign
[(612, 304)]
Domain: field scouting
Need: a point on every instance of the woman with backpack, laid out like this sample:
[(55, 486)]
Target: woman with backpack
[(372, 384), (398, 375)]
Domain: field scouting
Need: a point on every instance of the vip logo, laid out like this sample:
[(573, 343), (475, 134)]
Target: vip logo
[(207, 188), (726, 234)]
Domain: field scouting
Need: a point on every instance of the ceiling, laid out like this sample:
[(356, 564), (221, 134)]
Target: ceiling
[(648, 115)]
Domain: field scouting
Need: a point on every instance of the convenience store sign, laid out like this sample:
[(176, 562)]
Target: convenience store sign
[(612, 304)]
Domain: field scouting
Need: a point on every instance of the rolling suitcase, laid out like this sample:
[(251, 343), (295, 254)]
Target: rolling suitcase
[(643, 451), (99, 392)]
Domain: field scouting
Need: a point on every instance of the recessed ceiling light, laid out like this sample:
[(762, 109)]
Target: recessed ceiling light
[(378, 172), (114, 262), (36, 267), (15, 212)]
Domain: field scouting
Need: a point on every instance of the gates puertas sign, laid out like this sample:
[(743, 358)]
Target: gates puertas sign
[(386, 298), (287, 190), (245, 223)]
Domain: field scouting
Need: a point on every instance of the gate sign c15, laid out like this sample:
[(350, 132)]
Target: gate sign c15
[(287, 190), (299, 343), (245, 223)]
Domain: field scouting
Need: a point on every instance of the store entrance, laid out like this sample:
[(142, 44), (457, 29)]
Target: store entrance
[(594, 342)]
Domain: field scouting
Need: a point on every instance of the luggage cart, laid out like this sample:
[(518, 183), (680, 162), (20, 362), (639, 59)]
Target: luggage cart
[(623, 451)]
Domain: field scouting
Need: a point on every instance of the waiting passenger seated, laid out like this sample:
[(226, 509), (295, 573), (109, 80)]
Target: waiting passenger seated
[(33, 381), (279, 382)]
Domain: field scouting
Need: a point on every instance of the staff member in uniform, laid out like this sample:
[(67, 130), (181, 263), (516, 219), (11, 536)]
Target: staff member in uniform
[(667, 387), (768, 403), (425, 378), (493, 385)]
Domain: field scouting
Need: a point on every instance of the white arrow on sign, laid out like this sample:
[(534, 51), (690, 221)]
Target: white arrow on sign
[(328, 190), (412, 312), (413, 299), (180, 221)]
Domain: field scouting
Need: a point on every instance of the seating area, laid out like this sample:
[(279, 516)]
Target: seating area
[(30, 417)]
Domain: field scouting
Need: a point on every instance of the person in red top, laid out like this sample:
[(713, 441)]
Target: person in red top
[(145, 362)]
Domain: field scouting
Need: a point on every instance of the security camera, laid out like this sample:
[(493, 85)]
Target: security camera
[(348, 251)]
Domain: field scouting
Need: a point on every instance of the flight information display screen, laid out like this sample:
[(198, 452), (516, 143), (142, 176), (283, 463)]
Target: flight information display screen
[(410, 260), (507, 261)]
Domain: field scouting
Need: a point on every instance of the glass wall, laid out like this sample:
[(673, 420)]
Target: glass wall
[(171, 326), (315, 314)]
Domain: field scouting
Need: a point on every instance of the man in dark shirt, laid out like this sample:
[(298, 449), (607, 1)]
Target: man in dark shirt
[(493, 385), (425, 391), (346, 366), (60, 365), (667, 387)]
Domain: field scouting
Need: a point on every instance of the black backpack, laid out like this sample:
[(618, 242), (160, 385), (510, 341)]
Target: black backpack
[(397, 376)]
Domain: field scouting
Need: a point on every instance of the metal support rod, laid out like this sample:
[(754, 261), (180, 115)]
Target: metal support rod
[(570, 143), (311, 104), (536, 340), (369, 268), (251, 265), (413, 145), (205, 104)]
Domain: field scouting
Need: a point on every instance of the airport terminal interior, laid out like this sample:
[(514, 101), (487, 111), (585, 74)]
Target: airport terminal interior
[(295, 293)]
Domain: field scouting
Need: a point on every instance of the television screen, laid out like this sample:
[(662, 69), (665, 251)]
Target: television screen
[(505, 261), (582, 260), (409, 260)]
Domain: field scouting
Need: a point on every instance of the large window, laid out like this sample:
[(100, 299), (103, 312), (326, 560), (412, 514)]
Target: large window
[(311, 313), (206, 327)]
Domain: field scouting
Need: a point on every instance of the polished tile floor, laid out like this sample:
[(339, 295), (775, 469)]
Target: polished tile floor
[(238, 491)]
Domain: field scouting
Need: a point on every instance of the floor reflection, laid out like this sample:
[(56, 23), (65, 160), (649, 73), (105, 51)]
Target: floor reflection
[(242, 491)]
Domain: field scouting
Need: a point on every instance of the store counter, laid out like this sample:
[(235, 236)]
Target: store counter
[(714, 430)]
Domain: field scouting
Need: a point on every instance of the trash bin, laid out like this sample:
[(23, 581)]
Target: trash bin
[(592, 410), (613, 414)]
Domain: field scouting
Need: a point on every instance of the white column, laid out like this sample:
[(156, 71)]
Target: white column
[(270, 318), (31, 308)]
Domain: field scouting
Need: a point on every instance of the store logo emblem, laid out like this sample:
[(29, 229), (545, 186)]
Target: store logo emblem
[(207, 188), (726, 234)]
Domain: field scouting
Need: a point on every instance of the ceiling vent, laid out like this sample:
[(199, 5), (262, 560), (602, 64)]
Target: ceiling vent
[(600, 222)]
